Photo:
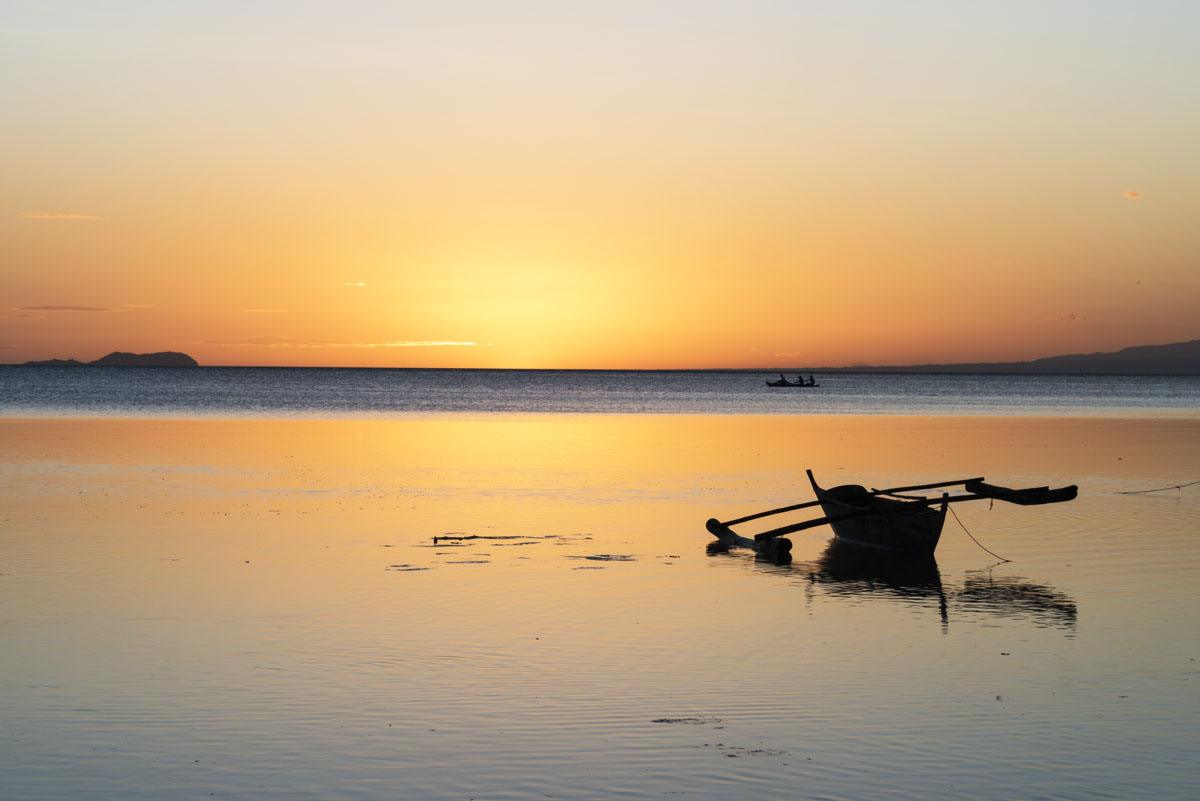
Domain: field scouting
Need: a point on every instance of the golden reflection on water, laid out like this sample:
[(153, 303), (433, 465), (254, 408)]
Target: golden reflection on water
[(269, 593)]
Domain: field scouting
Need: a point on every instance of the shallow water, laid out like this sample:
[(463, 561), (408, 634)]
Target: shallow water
[(258, 609)]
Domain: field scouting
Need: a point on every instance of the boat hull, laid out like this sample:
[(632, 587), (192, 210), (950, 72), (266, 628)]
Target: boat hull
[(892, 525)]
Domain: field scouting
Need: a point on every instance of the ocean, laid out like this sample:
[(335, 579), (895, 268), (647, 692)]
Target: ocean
[(337, 392), (292, 584)]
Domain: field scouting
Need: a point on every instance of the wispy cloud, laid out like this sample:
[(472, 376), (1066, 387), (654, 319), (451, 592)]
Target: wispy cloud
[(423, 343), (9, 347), (62, 216), (282, 342), (264, 311), (67, 308), (356, 283), (137, 305), (1133, 194)]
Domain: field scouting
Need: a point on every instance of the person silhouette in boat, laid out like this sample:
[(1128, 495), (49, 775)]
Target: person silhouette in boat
[(782, 378), (812, 382)]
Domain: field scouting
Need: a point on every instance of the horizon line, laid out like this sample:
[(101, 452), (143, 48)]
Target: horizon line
[(923, 367)]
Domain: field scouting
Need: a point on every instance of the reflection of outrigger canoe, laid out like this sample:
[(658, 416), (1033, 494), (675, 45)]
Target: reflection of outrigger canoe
[(847, 570), (882, 518)]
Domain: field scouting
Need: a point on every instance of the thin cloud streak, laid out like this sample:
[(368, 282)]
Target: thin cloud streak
[(66, 308), (62, 216), (356, 283), (264, 311), (280, 342)]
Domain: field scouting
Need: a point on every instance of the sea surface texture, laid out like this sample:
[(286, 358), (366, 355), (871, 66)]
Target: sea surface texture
[(250, 391), (523, 607)]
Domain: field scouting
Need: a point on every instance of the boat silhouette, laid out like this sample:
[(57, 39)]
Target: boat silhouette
[(888, 519)]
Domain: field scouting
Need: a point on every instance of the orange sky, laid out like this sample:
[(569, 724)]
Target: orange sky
[(647, 185)]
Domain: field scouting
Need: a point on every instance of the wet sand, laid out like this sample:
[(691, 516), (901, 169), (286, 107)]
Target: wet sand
[(258, 608)]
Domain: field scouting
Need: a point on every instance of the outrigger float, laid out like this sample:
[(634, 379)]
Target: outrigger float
[(887, 518)]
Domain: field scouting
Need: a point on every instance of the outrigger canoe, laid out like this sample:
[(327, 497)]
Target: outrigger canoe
[(783, 382), (881, 518)]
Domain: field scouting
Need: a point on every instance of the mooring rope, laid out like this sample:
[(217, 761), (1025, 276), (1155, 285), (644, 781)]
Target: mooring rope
[(972, 536), (1160, 489)]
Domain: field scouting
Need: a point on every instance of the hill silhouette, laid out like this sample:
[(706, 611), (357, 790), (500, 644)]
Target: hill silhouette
[(1177, 358), (166, 358), (56, 363)]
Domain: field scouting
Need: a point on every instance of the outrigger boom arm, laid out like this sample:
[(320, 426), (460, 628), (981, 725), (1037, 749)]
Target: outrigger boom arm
[(770, 512), (888, 491), (821, 521), (977, 488), (935, 485)]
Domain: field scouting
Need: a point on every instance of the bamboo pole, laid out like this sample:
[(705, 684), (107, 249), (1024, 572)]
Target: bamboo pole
[(821, 521), (890, 490), (769, 512)]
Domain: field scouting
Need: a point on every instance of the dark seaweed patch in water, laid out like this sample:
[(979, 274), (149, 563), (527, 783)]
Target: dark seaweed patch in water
[(460, 538), (734, 751), (457, 536), (692, 720), (468, 562), (590, 567), (607, 557)]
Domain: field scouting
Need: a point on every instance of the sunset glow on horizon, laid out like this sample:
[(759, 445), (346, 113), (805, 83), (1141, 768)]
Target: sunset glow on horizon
[(535, 185)]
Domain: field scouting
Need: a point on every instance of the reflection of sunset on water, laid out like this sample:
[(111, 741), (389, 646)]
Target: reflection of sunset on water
[(276, 588)]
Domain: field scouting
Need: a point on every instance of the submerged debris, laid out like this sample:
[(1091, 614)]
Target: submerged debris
[(607, 557), (458, 536)]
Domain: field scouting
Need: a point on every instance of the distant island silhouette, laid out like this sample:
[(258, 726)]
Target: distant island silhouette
[(1177, 358), (118, 358)]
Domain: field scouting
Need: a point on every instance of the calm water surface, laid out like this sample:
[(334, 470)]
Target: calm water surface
[(257, 609), (248, 391)]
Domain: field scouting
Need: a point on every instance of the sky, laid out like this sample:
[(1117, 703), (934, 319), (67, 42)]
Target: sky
[(616, 185)]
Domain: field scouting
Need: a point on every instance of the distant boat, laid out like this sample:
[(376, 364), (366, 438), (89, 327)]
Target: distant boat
[(783, 382), (881, 518)]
